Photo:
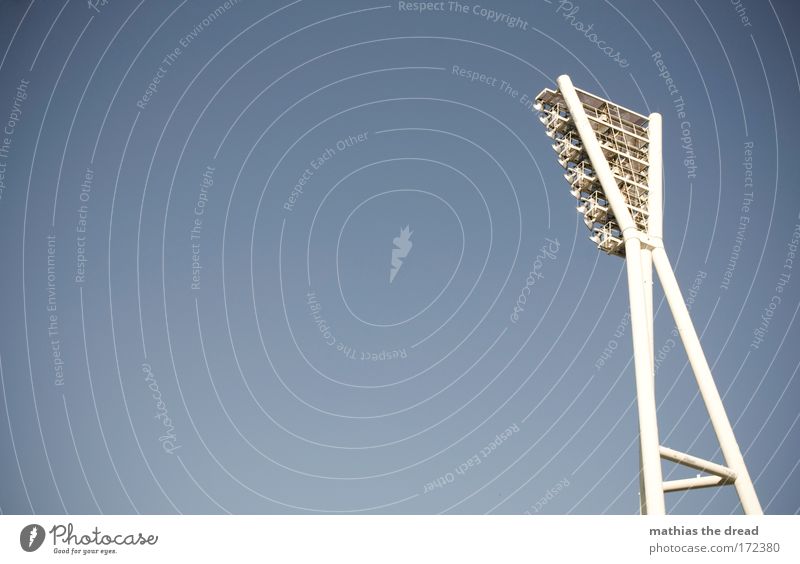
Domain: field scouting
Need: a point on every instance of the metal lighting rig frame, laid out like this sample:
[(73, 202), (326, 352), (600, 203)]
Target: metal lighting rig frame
[(613, 162)]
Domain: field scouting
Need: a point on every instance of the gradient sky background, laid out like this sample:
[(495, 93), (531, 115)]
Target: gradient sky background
[(296, 377)]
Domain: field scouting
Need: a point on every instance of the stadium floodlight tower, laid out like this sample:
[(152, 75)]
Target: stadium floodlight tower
[(613, 163)]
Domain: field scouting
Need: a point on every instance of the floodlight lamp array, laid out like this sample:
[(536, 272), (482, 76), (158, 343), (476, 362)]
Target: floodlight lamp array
[(622, 135)]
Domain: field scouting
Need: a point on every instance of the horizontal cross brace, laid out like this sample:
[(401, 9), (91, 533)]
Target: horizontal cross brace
[(695, 483), (728, 475)]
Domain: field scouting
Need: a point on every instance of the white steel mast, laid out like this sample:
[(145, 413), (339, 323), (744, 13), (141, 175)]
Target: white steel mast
[(613, 162)]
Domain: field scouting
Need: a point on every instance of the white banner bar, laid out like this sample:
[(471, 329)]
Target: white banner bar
[(400, 539)]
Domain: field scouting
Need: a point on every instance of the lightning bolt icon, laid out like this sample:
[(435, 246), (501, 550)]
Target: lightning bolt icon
[(34, 534), (403, 246)]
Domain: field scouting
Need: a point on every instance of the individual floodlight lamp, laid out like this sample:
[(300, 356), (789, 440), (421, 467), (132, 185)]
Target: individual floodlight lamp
[(613, 163)]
